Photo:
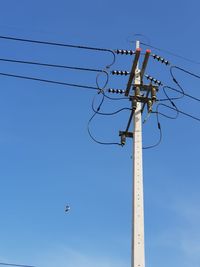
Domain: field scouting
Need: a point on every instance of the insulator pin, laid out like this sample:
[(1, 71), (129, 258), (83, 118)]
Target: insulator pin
[(116, 91), (124, 52), (120, 72), (152, 79), (161, 59)]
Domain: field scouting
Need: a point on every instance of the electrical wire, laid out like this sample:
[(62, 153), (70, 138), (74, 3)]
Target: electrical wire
[(186, 71), (115, 98), (90, 121), (182, 112), (164, 115), (171, 53), (178, 84), (178, 91), (47, 81), (49, 65), (104, 113), (160, 135), (61, 45), (16, 265), (101, 88)]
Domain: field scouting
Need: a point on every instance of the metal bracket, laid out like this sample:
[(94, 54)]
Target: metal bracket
[(124, 135)]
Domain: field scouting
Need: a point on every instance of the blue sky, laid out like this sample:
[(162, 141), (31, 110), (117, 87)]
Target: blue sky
[(47, 159)]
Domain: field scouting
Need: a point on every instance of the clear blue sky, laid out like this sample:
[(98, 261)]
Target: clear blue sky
[(47, 159)]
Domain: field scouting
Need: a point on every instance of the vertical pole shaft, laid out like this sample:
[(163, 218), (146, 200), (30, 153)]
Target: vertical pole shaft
[(138, 251)]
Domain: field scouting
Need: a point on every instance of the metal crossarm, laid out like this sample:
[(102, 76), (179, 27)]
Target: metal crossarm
[(144, 65), (132, 74)]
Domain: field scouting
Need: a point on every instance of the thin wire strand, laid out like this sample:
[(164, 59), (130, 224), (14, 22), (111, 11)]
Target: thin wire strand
[(48, 81), (171, 53), (178, 84), (186, 71), (115, 98), (178, 91), (96, 110), (61, 45), (90, 121), (160, 135), (182, 112), (49, 65)]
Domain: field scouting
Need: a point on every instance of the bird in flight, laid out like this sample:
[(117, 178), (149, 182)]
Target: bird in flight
[(67, 208)]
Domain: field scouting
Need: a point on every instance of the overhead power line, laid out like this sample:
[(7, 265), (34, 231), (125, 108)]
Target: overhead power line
[(171, 53), (49, 65), (60, 45), (182, 112), (48, 81)]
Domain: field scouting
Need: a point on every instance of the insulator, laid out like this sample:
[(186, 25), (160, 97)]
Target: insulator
[(137, 91), (159, 82), (120, 72), (153, 79), (124, 52), (148, 77), (153, 93), (149, 105), (161, 59), (116, 91)]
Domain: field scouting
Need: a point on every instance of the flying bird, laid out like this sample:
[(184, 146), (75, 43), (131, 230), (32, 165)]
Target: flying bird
[(67, 208)]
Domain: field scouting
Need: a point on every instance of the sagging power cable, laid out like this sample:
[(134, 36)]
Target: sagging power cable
[(49, 65), (47, 81), (61, 45)]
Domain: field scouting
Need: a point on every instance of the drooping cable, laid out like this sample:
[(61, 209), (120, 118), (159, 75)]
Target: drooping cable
[(60, 45), (182, 112), (48, 81), (182, 94), (49, 65), (160, 135), (96, 110), (171, 102), (171, 53), (178, 84), (90, 121), (186, 71)]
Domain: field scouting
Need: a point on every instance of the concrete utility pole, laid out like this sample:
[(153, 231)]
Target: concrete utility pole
[(133, 90), (138, 248)]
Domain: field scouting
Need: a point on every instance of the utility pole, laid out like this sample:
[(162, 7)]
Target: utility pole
[(133, 90), (138, 247)]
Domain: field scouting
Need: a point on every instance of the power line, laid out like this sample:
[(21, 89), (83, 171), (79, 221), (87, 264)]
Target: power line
[(92, 118), (182, 112), (60, 45), (160, 134), (171, 53), (49, 65), (186, 71), (181, 92), (48, 81)]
